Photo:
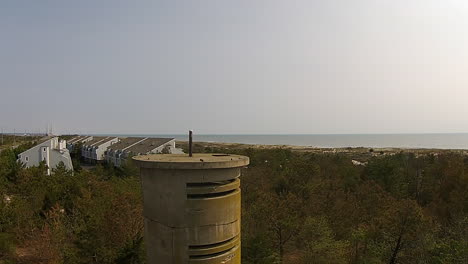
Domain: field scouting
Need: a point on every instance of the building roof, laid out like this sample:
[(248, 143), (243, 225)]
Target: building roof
[(125, 142), (96, 140), (76, 139), (84, 139), (107, 139), (148, 145), (73, 139), (39, 142)]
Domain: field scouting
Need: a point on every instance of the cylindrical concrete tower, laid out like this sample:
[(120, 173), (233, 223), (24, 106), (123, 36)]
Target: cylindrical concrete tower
[(192, 207)]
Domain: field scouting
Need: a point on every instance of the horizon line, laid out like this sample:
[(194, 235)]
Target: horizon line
[(281, 134)]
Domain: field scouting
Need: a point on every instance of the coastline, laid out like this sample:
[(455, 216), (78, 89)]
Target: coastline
[(381, 141), (220, 145)]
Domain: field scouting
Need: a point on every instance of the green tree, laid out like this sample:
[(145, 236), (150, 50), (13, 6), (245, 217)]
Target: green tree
[(319, 244)]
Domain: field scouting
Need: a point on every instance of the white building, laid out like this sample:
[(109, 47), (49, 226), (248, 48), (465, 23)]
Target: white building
[(115, 151), (52, 152), (72, 143), (127, 147), (93, 150)]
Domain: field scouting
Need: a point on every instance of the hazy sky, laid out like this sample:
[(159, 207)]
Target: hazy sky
[(329, 66)]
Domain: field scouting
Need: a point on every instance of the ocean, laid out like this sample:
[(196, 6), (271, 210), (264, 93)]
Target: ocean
[(431, 141)]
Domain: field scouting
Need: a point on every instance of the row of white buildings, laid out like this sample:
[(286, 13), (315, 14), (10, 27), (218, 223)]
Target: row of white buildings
[(116, 150), (94, 149)]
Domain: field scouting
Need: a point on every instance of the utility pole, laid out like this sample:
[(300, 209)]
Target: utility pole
[(14, 136), (190, 143), (2, 135)]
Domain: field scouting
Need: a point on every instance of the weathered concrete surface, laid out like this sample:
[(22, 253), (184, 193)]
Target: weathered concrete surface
[(198, 161), (192, 207)]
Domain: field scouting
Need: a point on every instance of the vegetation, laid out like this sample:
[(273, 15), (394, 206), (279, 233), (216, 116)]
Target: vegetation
[(7, 141), (85, 217), (297, 208), (317, 208)]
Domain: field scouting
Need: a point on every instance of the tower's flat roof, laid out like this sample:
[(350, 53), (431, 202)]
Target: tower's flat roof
[(197, 161)]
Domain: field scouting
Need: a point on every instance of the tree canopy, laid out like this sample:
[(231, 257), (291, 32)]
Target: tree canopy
[(297, 208)]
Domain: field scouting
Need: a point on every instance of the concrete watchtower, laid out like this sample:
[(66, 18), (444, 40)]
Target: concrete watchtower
[(192, 207)]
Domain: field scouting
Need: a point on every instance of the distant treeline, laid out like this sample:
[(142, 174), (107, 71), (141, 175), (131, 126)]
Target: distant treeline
[(7, 140), (296, 208)]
